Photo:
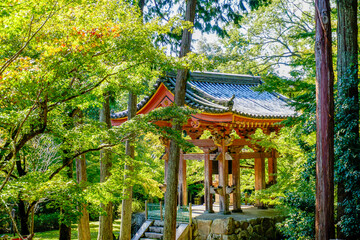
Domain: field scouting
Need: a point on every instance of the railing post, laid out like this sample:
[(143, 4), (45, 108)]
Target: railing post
[(161, 211), (146, 210), (190, 213), (190, 220)]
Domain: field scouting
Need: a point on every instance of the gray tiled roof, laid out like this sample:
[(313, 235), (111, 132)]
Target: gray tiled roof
[(218, 92)]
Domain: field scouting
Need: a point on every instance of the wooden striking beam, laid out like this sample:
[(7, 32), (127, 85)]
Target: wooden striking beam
[(247, 167), (223, 179), (242, 155)]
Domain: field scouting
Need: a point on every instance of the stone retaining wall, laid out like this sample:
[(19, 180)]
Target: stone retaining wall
[(230, 229)]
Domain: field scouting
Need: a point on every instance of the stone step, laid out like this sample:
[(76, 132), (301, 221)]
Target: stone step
[(154, 235), (156, 229), (158, 223)]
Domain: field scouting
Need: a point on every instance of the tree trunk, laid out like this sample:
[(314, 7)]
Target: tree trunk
[(348, 112), (24, 217), (65, 230), (83, 225), (126, 207), (126, 211), (173, 167), (324, 217), (105, 221)]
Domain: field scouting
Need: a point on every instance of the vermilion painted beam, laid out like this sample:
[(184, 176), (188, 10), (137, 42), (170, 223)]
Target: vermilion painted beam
[(208, 143), (242, 155)]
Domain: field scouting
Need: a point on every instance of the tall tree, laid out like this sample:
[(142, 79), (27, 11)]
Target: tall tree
[(324, 216), (173, 167), (126, 211), (126, 207), (347, 124), (81, 177), (65, 227), (105, 220)]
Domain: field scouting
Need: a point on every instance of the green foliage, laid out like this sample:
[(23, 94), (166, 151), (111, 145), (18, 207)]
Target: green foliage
[(46, 222), (298, 225), (136, 207), (211, 16), (279, 35), (347, 166), (57, 59), (94, 228), (275, 36), (300, 203)]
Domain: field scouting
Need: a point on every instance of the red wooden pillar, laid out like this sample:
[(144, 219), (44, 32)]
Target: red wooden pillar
[(259, 176), (236, 182), (208, 181), (182, 181), (272, 168), (223, 179)]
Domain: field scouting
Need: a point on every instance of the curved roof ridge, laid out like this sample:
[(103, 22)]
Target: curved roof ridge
[(219, 92), (201, 99)]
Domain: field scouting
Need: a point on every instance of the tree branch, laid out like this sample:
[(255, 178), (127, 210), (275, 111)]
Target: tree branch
[(12, 220), (93, 87), (7, 177), (70, 159), (16, 55)]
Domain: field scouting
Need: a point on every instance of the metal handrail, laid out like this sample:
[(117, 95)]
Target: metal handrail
[(156, 211)]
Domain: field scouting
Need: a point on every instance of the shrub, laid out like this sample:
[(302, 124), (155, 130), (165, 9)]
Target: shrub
[(137, 206), (46, 221)]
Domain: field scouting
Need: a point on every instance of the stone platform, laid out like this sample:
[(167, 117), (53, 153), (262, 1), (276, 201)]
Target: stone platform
[(252, 223), (249, 212)]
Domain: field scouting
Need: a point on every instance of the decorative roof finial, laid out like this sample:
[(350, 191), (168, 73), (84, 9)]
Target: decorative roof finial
[(230, 103)]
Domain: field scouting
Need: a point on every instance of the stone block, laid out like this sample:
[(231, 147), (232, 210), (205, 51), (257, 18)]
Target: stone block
[(250, 229), (202, 237), (255, 236), (258, 229), (244, 225), (223, 226), (214, 237), (243, 235), (255, 221), (229, 237), (204, 227), (267, 223), (270, 233)]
